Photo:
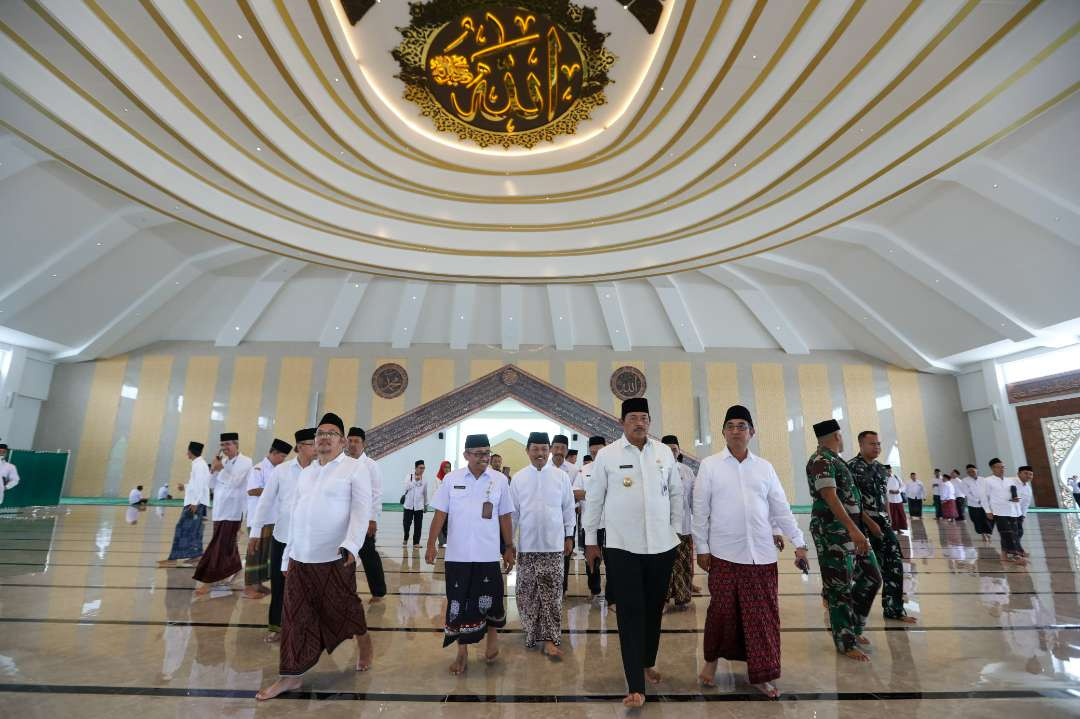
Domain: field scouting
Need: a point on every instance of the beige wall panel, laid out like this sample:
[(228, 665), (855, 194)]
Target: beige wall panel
[(771, 421), (436, 378), (386, 409), (144, 440), (677, 403), (537, 368), (245, 400), (99, 424), (580, 381), (861, 403), (480, 367), (815, 396), (723, 391), (342, 387), (293, 396), (910, 423), (200, 379)]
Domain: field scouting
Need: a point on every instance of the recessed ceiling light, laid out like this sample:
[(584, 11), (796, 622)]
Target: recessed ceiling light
[(618, 331), (753, 57), (99, 244), (258, 149), (239, 36), (237, 328), (337, 327), (54, 275), (178, 282), (125, 109), (995, 185), (1057, 219), (337, 79), (356, 284), (607, 296), (560, 317), (461, 317), (511, 319), (414, 297), (405, 328)]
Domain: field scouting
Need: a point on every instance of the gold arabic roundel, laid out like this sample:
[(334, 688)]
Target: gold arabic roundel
[(500, 74)]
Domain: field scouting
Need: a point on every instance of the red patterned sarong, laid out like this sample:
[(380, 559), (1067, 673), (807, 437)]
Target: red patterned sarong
[(743, 621), (221, 559), (321, 611), (897, 516), (948, 509)]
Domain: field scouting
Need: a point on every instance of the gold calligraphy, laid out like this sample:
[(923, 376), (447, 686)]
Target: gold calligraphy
[(504, 70)]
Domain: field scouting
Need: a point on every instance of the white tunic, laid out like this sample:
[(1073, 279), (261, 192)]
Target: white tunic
[(415, 493), (892, 484), (687, 476), (959, 488), (543, 508), (947, 491), (639, 492), (579, 482), (376, 486), (470, 537), (331, 511), (163, 493), (230, 489), (134, 496), (1000, 497), (976, 491), (197, 489), (276, 502), (915, 490), (257, 480), (9, 476), (736, 506), (1027, 498)]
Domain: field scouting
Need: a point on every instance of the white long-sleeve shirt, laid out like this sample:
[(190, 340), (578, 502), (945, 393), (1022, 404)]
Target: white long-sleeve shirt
[(639, 494), (230, 489), (134, 496), (276, 502), (257, 480), (197, 489), (331, 511), (579, 482), (1000, 498), (948, 491), (376, 486), (470, 537), (1027, 498), (892, 484), (686, 475), (415, 493), (976, 491), (543, 508), (737, 505), (914, 490), (9, 476)]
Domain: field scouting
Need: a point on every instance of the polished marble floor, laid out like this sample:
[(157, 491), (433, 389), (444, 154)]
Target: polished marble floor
[(91, 627)]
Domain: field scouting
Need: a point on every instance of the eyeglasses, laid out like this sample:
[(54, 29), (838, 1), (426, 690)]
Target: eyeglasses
[(305, 444), (323, 434), (479, 455), (737, 426)]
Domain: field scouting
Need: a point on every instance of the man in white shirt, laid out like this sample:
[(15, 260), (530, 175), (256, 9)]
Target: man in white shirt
[(1003, 509), (960, 489), (257, 559), (915, 493), (738, 499), (275, 510), (9, 475), (135, 498), (636, 487), (975, 488), (560, 445), (1074, 488), (369, 556), (1027, 499), (894, 493), (330, 515), (592, 571), (228, 476), (935, 489), (679, 593), (163, 492), (188, 535), (475, 499), (544, 526), (416, 499)]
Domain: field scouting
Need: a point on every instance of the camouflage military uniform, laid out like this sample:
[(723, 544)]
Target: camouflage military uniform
[(870, 480), (849, 581)]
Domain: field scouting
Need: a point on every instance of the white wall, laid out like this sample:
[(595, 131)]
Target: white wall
[(25, 379)]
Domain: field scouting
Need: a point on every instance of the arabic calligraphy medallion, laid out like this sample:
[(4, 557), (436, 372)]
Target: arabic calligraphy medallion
[(504, 74)]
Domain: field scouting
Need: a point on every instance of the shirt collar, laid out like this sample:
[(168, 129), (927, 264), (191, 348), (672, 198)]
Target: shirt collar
[(335, 460), (726, 453)]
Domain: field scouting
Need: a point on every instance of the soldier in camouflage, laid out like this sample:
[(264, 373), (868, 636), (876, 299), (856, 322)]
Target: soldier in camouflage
[(850, 577), (869, 476)]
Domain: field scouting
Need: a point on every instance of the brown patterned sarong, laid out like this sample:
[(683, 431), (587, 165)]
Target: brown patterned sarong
[(539, 596), (321, 611), (743, 621), (221, 559), (474, 601), (257, 562), (896, 516), (682, 572)]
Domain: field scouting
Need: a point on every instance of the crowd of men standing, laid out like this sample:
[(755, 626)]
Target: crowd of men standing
[(639, 511)]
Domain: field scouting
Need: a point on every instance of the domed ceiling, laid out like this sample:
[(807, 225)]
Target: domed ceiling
[(892, 177)]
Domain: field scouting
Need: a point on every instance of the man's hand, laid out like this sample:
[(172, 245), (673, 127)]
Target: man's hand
[(704, 561), (350, 560), (990, 516), (216, 465), (800, 558), (778, 540), (253, 544), (862, 544), (592, 555), (429, 555), (568, 546), (371, 527), (288, 566), (192, 508), (509, 556)]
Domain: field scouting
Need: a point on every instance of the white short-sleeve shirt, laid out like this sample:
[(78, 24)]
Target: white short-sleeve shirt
[(470, 537)]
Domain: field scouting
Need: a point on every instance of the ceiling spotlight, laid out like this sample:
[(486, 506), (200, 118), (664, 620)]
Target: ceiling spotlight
[(511, 319), (239, 36), (607, 296), (356, 284), (336, 327), (560, 317), (414, 297), (337, 79), (753, 57), (237, 328), (125, 109), (99, 244), (258, 148), (461, 317), (995, 185), (54, 275), (178, 282)]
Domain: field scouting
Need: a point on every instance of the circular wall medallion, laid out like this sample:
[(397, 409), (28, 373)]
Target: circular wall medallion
[(389, 380), (505, 74), (509, 376), (628, 382)]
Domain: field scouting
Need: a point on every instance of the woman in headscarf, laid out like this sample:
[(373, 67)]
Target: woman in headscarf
[(444, 469)]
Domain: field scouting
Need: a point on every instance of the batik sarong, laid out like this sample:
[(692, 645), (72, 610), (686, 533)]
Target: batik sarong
[(474, 601), (682, 572), (321, 611), (539, 596), (743, 620), (221, 559), (187, 540), (257, 561)]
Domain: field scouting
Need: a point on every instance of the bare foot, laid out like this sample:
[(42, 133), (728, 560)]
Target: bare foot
[(272, 637), (634, 701), (492, 651), (864, 643), (768, 689), (551, 650), (909, 620), (284, 684), (652, 676), (695, 589), (251, 593), (166, 563), (375, 600), (365, 652), (707, 677), (461, 662), (202, 590), (856, 655)]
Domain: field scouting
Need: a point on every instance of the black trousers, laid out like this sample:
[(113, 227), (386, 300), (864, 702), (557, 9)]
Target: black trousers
[(1019, 533), (914, 507), (592, 574), (277, 585), (372, 562), (978, 518), (1007, 530), (937, 507), (638, 584), (960, 504), (1076, 498), (415, 519)]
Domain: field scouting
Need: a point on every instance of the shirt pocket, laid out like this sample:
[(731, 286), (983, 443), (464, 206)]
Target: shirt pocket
[(339, 488)]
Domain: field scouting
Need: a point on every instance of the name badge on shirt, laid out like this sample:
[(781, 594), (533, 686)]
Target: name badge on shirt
[(626, 466), (487, 510), (459, 486)]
